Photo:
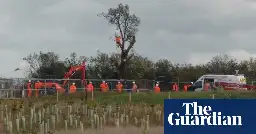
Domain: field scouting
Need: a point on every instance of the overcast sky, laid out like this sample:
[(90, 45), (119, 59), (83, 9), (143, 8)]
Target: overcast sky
[(181, 30)]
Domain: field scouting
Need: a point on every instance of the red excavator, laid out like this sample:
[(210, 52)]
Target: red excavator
[(67, 76)]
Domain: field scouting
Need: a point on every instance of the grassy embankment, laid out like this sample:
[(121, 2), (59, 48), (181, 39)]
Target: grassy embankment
[(107, 112)]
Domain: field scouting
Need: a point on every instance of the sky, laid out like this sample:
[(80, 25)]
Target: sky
[(191, 31)]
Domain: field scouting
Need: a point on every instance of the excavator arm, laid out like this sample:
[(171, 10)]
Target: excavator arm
[(72, 71)]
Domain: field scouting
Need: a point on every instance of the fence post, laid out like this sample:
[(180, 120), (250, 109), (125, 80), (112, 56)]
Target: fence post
[(130, 96), (57, 96), (92, 95), (45, 87), (22, 93)]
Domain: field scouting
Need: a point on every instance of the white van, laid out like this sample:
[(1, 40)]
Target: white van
[(220, 80)]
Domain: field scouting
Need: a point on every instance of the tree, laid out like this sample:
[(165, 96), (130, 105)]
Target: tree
[(140, 67), (101, 66), (45, 65), (128, 25), (74, 60), (105, 65)]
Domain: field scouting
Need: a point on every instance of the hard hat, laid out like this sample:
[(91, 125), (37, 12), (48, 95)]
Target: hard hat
[(191, 82), (73, 83), (29, 80), (133, 82), (103, 81), (156, 84), (118, 81), (90, 82)]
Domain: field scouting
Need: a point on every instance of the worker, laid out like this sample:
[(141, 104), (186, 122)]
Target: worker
[(175, 87), (72, 88), (134, 87), (189, 85), (157, 88), (38, 86), (118, 38), (103, 86), (185, 87), (107, 87), (206, 86), (29, 88), (90, 87), (119, 86)]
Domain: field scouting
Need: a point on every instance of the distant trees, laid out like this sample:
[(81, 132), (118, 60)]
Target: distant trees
[(128, 64), (105, 66), (45, 65)]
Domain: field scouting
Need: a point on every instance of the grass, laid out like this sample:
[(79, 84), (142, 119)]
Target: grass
[(151, 97), (108, 113)]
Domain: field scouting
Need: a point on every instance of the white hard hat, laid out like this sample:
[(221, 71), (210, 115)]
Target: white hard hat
[(156, 84), (133, 82), (73, 83), (191, 82), (90, 82), (103, 81), (29, 80), (118, 81)]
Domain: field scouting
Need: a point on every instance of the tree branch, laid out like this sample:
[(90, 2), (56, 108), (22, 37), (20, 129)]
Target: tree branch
[(129, 58), (122, 36), (132, 42)]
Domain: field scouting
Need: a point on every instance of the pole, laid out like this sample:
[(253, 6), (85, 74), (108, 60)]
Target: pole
[(83, 79)]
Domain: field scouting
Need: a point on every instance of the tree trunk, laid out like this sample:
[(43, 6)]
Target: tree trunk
[(122, 65)]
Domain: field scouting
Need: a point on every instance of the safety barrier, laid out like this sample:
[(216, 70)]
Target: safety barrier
[(20, 84), (23, 93)]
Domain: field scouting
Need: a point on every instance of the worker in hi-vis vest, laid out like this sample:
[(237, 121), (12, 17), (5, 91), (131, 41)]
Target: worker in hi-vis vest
[(157, 88), (90, 87), (119, 86), (72, 88)]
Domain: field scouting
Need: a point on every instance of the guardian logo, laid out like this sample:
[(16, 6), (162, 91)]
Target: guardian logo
[(201, 116), (210, 116)]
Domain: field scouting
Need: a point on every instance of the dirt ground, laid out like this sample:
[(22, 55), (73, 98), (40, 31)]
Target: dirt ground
[(126, 130)]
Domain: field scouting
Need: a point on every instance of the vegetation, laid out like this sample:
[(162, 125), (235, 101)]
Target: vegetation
[(46, 117), (49, 114), (103, 66), (112, 65)]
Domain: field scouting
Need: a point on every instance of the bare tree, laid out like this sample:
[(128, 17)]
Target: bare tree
[(128, 25)]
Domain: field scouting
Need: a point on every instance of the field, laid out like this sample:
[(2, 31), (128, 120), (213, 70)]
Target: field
[(108, 112)]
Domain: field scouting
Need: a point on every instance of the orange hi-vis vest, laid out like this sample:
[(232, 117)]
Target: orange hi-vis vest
[(104, 87), (72, 89), (134, 87), (175, 87), (90, 88), (206, 86), (118, 40), (29, 89), (157, 89), (38, 85), (185, 88), (119, 87)]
